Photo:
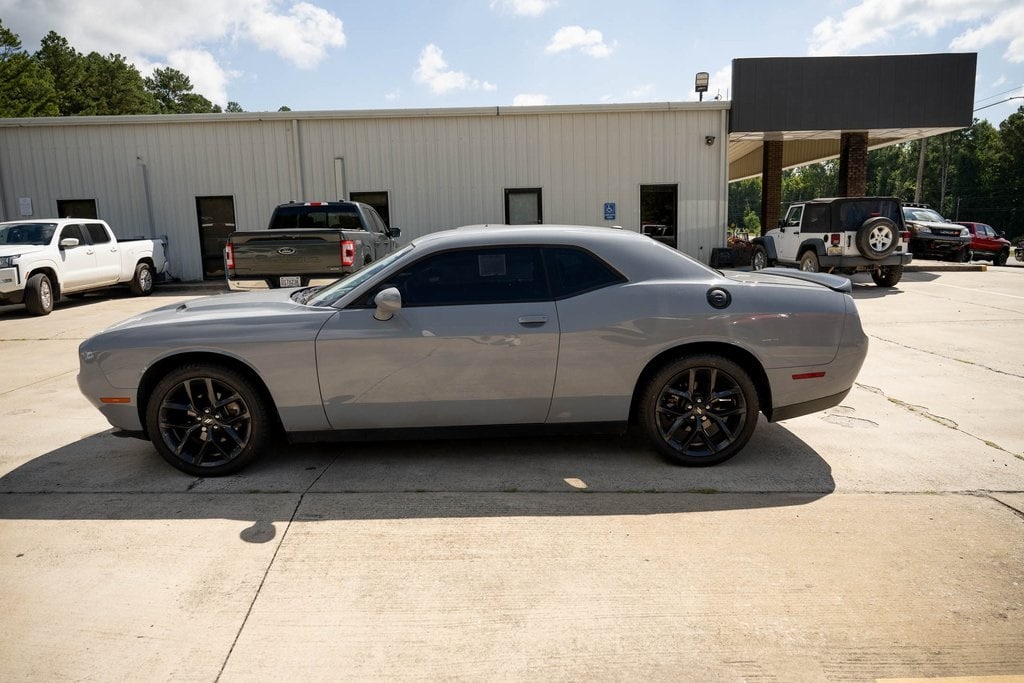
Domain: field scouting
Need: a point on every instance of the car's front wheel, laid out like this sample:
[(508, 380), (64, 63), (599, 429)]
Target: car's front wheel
[(759, 259), (1000, 258), (39, 295), (207, 420), (699, 410)]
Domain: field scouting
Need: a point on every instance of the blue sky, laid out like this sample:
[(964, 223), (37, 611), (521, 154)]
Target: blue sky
[(327, 54)]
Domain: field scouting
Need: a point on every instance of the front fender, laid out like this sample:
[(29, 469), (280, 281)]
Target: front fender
[(769, 246)]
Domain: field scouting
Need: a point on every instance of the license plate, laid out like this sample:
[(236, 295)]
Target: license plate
[(291, 281), (834, 251)]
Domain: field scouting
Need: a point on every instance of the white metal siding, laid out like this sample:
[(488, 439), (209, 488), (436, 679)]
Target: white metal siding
[(441, 169)]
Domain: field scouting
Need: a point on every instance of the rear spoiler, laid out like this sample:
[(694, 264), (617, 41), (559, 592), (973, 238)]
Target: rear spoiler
[(833, 282)]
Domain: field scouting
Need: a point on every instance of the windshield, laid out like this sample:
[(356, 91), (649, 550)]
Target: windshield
[(328, 295), (915, 214), (27, 233)]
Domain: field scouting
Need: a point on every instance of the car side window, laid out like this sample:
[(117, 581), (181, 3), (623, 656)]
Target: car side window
[(816, 218), (73, 231), (793, 219), (377, 223), (473, 276), (574, 271), (97, 233)]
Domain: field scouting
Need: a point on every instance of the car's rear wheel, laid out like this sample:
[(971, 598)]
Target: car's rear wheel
[(877, 238), (39, 295), (887, 276), (1000, 258), (759, 258), (142, 281), (809, 262), (207, 420), (699, 410)]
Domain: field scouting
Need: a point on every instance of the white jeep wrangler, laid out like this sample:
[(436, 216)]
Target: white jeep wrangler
[(839, 235)]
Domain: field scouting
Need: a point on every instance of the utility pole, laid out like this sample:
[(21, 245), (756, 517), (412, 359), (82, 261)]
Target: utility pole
[(920, 172)]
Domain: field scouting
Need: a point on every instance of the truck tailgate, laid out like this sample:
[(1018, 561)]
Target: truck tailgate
[(295, 252)]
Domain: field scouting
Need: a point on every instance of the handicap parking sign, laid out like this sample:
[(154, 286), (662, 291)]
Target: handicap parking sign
[(609, 211)]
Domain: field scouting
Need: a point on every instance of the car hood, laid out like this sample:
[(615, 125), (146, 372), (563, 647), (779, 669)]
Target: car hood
[(14, 249), (935, 225), (221, 307)]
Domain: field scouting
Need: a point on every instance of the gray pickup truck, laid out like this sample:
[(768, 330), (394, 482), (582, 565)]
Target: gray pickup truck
[(307, 243)]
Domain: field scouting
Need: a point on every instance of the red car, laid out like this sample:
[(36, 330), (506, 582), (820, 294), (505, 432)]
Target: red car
[(986, 243)]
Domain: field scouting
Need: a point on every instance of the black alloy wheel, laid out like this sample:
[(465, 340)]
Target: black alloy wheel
[(207, 420), (700, 410)]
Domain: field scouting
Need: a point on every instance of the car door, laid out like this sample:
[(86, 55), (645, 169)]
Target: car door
[(78, 267), (789, 234), (108, 258), (475, 343), (383, 243)]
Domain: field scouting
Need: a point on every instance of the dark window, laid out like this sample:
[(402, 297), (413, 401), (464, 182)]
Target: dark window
[(793, 218), (473, 276), (376, 222), (379, 202), (659, 209), (574, 271), (523, 206), (852, 214), (76, 208), (97, 233), (72, 231), (338, 216), (815, 218), (216, 217)]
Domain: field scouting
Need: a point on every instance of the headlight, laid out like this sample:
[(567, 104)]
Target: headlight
[(965, 233), (8, 261), (922, 228)]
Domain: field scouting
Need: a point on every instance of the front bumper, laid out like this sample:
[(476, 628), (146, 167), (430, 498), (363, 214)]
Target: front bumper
[(943, 246), (119, 406)]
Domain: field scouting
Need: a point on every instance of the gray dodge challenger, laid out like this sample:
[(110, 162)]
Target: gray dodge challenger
[(486, 329)]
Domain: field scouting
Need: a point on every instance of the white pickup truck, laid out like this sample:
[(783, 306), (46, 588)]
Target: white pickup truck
[(44, 258)]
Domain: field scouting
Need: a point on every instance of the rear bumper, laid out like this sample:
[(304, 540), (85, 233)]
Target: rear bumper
[(252, 284), (895, 259)]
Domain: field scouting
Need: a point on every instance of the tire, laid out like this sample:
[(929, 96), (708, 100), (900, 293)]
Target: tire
[(759, 259), (809, 262), (887, 276), (1000, 258), (877, 238), (39, 295), (962, 255), (142, 281), (699, 410), (181, 417)]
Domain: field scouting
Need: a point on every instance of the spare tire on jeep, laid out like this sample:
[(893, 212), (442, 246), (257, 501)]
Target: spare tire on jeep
[(877, 238)]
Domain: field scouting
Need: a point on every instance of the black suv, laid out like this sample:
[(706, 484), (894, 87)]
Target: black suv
[(932, 236)]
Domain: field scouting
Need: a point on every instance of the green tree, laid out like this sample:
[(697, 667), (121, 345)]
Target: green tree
[(67, 67), (172, 91), (26, 89), (752, 222), (744, 196), (115, 87), (811, 181), (1008, 183), (234, 108), (285, 108)]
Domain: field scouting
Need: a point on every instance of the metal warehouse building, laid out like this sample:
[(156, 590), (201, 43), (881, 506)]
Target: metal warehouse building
[(194, 178)]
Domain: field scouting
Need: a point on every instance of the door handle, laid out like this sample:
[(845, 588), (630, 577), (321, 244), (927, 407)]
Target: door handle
[(532, 319)]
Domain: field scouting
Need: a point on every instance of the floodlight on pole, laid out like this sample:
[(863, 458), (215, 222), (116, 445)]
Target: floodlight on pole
[(700, 83)]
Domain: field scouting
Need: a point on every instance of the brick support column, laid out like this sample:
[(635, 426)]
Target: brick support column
[(853, 164), (771, 184)]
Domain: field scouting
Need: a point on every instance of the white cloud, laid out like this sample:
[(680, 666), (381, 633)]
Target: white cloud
[(529, 100), (393, 95), (151, 33), (887, 21), (590, 42), (1006, 25), (524, 8), (998, 82), (433, 72), (641, 91)]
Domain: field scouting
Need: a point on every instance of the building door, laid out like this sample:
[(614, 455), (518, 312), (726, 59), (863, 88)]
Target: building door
[(216, 221), (379, 202), (659, 209), (76, 208), (523, 206)]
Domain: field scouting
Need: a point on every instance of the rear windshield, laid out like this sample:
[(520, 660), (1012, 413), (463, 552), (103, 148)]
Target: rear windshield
[(852, 214), (338, 217)]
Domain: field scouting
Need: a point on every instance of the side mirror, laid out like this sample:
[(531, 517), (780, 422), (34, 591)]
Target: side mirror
[(69, 242), (389, 302), (395, 232)]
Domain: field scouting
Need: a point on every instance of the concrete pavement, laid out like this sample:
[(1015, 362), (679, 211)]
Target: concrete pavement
[(881, 539)]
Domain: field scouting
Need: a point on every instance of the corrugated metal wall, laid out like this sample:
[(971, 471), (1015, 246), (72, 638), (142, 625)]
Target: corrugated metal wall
[(441, 168)]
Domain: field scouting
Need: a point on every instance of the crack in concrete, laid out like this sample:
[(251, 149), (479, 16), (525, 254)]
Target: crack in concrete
[(939, 355), (944, 421)]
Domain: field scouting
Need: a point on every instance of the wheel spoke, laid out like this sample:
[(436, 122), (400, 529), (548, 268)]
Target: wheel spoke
[(721, 425), (184, 439), (670, 433)]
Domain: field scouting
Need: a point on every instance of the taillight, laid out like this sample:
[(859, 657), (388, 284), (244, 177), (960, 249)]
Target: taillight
[(348, 252), (836, 238), (905, 235), (229, 257)]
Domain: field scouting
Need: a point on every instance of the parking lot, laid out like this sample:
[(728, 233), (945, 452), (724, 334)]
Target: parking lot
[(883, 538)]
